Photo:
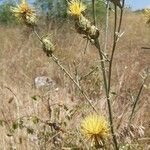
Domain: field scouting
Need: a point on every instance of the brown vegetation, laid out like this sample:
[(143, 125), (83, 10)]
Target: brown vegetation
[(22, 60)]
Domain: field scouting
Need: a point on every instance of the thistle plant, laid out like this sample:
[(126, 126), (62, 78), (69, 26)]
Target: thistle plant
[(92, 33), (94, 127), (82, 26)]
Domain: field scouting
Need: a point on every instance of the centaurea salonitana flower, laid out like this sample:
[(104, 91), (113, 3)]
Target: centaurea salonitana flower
[(25, 13), (82, 25), (95, 127), (75, 8), (147, 15)]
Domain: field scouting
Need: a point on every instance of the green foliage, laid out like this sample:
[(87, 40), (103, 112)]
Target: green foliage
[(99, 9), (48, 8), (34, 98), (35, 119), (52, 8), (6, 16), (30, 131), (17, 124), (1, 122), (58, 8)]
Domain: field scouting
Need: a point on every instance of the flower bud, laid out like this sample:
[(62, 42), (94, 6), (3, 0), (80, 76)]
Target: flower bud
[(48, 47), (84, 26), (31, 20)]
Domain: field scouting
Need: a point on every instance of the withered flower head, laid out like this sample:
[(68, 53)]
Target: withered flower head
[(25, 13)]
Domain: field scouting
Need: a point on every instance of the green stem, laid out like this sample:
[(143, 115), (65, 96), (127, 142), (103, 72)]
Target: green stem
[(55, 59), (116, 37), (110, 68), (106, 27), (113, 51), (97, 44), (121, 15), (94, 11)]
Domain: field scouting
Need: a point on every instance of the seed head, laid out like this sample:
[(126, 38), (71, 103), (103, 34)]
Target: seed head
[(75, 8)]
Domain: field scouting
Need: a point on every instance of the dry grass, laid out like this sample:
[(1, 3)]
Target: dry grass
[(21, 60)]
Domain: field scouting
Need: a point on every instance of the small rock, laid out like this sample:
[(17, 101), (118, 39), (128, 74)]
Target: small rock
[(43, 81)]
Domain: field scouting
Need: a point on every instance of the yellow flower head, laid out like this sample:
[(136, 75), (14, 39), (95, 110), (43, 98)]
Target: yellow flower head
[(95, 127), (24, 12), (75, 8), (147, 15)]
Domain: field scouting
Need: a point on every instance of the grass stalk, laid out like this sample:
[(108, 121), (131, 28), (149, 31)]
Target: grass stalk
[(137, 100)]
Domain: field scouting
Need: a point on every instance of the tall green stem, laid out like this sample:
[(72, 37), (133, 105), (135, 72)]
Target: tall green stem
[(116, 37), (113, 51), (101, 55), (97, 44), (106, 27), (94, 11)]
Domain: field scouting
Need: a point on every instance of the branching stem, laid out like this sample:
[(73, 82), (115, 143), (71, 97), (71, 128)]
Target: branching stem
[(56, 60)]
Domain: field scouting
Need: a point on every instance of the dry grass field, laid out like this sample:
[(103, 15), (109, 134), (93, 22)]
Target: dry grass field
[(22, 60)]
